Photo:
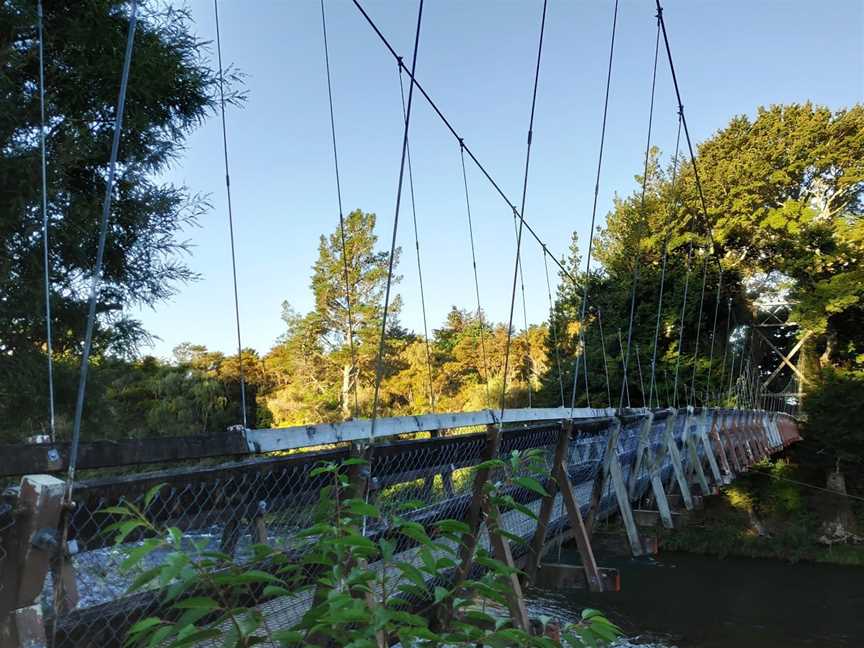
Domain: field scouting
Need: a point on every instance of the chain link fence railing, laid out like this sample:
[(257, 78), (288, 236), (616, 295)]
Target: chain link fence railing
[(229, 507)]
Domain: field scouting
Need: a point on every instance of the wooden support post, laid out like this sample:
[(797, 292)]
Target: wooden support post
[(617, 477), (602, 477), (704, 425), (642, 449), (717, 427), (675, 456), (475, 509), (727, 437), (741, 440), (260, 524), (29, 545), (580, 533), (501, 550), (661, 500), (696, 464), (480, 506), (552, 485), (736, 438), (659, 492)]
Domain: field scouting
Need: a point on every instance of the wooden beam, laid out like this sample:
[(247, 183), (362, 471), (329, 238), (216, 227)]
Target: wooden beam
[(785, 360), (677, 464), (30, 546), (501, 551), (580, 533), (552, 487)]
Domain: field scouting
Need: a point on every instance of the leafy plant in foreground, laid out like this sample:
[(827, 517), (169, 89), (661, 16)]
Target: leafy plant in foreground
[(365, 580)]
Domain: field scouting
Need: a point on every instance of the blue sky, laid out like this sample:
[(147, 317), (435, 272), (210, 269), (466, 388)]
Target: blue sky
[(476, 59)]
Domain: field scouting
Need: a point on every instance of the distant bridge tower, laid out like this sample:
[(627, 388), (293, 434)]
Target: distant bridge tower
[(777, 345)]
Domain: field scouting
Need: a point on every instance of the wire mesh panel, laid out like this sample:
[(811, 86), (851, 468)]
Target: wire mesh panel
[(270, 499)]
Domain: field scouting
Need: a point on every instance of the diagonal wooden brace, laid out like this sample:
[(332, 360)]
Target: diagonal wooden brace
[(677, 464)]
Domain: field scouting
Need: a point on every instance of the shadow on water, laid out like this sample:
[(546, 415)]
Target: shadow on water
[(691, 601)]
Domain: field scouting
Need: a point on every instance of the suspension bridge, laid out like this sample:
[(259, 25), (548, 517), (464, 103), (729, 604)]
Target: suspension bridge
[(61, 584)]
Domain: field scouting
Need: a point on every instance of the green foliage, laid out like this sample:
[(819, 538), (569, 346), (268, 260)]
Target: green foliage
[(171, 92), (835, 410), (363, 590), (768, 513)]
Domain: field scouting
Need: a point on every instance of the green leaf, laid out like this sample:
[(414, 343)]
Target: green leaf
[(145, 577), (531, 484), (152, 493), (416, 532), (361, 508), (247, 577), (441, 593), (272, 591), (453, 526), (144, 624), (196, 637), (137, 554), (124, 529), (197, 602), (115, 510), (160, 635), (289, 636)]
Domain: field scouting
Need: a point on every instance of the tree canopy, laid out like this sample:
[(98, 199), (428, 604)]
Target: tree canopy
[(171, 92)]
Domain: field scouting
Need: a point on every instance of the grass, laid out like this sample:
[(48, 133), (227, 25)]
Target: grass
[(790, 514)]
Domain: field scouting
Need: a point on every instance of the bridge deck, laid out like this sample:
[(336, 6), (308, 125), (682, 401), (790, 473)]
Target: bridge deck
[(269, 497)]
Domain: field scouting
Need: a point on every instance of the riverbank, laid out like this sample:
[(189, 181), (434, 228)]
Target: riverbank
[(771, 513)]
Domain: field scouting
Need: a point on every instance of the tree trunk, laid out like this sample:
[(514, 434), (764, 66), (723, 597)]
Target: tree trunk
[(347, 378), (838, 524)]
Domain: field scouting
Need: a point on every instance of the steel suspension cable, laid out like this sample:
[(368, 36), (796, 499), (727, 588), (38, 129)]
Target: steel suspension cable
[(45, 223), (355, 368), (525, 195), (639, 369), (605, 363), (672, 204), (681, 329), (379, 362), (725, 349), (91, 307), (525, 319), (642, 215), (584, 304), (693, 162), (417, 249), (230, 212), (100, 251), (437, 110), (692, 399), (626, 384), (476, 280), (553, 327), (517, 264), (713, 336)]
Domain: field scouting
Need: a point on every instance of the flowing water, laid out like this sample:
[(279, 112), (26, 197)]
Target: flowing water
[(689, 601)]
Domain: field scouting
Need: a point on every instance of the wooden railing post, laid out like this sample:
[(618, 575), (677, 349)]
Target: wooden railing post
[(689, 439), (552, 485), (602, 476), (643, 448), (675, 456), (659, 492), (560, 481), (717, 428), (29, 545), (704, 426), (479, 506)]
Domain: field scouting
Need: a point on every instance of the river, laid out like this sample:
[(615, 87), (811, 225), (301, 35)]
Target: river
[(690, 601)]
